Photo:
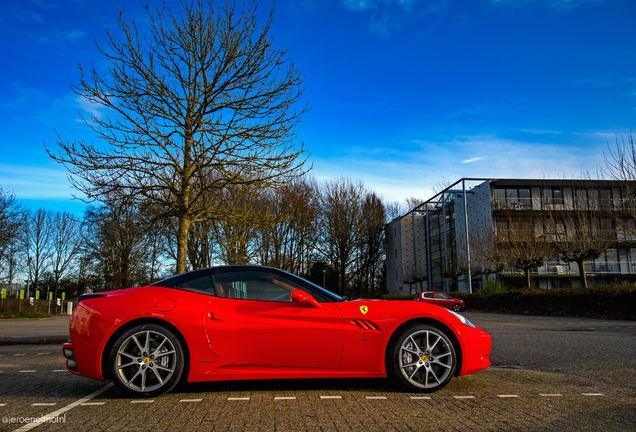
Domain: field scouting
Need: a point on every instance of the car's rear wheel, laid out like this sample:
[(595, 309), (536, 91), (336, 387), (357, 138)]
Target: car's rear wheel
[(423, 359), (457, 308), (146, 361)]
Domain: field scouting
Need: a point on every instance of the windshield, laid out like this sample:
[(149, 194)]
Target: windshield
[(335, 296)]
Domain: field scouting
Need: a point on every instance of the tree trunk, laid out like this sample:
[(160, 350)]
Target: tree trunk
[(527, 271), (185, 219), (582, 275), (182, 243)]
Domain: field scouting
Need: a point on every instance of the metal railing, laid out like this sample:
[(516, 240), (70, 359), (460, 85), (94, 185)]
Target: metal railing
[(590, 268), (561, 204), (512, 204)]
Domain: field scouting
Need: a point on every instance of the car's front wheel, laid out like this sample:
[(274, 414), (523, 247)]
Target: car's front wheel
[(146, 361), (423, 359), (457, 308)]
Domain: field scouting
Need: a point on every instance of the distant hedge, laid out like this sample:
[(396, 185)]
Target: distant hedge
[(595, 302), (398, 297), (613, 302)]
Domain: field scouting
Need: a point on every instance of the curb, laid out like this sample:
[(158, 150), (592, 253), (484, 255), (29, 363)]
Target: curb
[(34, 340)]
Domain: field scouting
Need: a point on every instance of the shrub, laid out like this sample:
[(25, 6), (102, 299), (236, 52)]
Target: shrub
[(398, 297), (604, 301), (607, 301)]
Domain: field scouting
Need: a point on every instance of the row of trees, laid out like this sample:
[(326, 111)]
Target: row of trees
[(331, 231), (38, 247)]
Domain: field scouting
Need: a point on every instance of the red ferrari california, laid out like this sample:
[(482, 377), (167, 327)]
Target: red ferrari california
[(250, 322)]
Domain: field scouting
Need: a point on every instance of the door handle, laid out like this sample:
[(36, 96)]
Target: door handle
[(215, 317)]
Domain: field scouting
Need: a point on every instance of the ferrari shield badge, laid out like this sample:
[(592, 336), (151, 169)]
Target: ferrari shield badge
[(364, 309)]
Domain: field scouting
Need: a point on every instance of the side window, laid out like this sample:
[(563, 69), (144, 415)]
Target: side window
[(255, 285), (203, 284), (428, 295), (441, 296)]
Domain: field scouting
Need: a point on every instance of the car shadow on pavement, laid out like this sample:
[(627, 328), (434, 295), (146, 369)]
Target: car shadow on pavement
[(334, 384)]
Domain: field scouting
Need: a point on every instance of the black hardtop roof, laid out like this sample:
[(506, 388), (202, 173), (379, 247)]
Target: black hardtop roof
[(184, 277)]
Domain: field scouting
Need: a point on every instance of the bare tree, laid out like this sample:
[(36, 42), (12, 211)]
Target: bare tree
[(66, 241), (12, 220), (523, 243), (37, 238), (201, 103), (393, 210), (372, 247), (237, 235), (579, 229), (289, 241), (412, 203), (486, 256), (441, 183), (202, 246), (341, 226), (620, 164), (119, 243)]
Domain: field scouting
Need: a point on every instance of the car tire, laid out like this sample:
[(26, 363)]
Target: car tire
[(457, 308), (146, 361), (423, 359)]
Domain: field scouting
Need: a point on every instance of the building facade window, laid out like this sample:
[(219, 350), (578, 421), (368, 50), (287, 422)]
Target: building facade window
[(512, 198)]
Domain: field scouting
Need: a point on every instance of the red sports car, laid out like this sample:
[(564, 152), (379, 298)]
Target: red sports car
[(441, 299), (250, 322)]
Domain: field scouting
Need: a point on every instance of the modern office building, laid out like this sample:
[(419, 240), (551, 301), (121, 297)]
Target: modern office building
[(450, 241)]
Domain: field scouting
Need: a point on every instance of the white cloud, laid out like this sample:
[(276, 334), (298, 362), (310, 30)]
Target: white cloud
[(93, 109), (33, 182), (389, 15), (541, 131), (557, 5), (359, 5), (63, 36), (475, 159), (397, 174)]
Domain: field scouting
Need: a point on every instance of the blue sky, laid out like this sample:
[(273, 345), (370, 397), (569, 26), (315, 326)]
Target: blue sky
[(403, 93)]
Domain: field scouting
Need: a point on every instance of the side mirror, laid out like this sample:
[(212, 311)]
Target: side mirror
[(300, 296)]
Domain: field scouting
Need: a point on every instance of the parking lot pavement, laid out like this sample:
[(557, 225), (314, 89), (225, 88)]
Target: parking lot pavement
[(541, 380), (584, 349)]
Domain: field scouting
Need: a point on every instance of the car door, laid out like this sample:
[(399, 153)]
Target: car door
[(442, 299), (252, 320)]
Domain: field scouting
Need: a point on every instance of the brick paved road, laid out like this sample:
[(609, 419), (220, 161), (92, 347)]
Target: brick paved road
[(555, 374)]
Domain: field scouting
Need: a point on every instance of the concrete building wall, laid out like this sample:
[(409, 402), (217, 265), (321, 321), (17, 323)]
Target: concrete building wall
[(393, 236), (406, 254)]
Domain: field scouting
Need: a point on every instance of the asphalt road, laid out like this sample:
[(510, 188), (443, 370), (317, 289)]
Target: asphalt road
[(548, 374)]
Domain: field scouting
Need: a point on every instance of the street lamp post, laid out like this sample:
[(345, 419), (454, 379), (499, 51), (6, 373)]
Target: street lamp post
[(26, 282), (57, 276), (29, 264)]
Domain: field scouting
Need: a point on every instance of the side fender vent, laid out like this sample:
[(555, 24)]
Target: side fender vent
[(365, 324)]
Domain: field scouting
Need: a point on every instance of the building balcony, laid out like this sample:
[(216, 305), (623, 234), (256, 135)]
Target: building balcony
[(591, 268), (512, 204)]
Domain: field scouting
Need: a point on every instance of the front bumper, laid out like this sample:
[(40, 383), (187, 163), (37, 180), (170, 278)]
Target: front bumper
[(476, 346)]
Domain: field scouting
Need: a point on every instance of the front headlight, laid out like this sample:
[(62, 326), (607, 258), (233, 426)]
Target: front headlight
[(463, 319)]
